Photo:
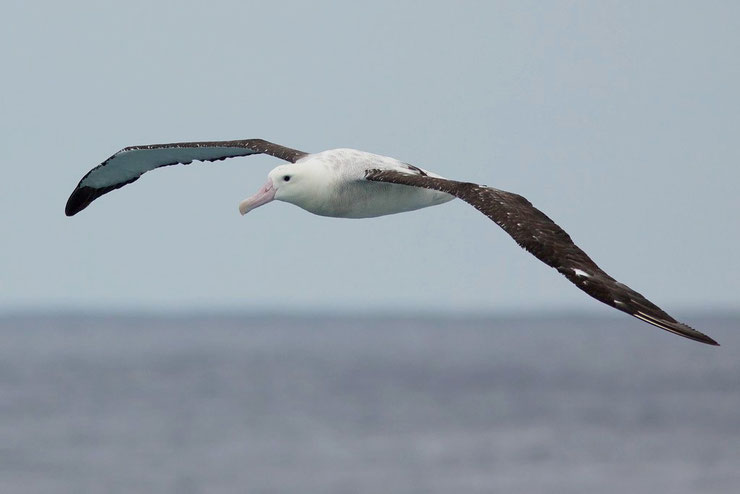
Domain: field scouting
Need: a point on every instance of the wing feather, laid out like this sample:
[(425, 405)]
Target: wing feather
[(538, 234), (130, 163)]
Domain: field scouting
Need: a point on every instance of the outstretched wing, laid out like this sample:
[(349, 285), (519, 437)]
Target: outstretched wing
[(539, 235), (128, 164)]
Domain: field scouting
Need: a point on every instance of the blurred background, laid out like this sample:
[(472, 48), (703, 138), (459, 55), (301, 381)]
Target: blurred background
[(159, 341)]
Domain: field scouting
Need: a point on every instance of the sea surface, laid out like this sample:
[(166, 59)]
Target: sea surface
[(321, 404)]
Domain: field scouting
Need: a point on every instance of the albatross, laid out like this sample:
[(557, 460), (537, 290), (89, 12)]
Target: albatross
[(346, 183)]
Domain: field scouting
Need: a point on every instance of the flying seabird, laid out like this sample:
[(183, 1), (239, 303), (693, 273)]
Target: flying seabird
[(346, 183)]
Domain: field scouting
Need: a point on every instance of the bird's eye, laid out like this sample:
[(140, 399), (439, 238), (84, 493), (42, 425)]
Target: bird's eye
[(286, 178)]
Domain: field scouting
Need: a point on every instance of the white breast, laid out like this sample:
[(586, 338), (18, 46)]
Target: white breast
[(346, 193)]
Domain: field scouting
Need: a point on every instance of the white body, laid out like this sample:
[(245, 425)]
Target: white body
[(332, 183)]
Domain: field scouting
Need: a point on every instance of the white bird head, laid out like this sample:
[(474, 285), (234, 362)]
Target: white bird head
[(289, 183)]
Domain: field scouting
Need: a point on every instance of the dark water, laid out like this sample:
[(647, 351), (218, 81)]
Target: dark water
[(347, 405)]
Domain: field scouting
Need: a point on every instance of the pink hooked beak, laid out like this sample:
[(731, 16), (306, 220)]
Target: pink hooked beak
[(263, 196)]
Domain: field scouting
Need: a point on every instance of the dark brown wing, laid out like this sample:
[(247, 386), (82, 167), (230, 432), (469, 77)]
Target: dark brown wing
[(539, 235), (128, 164)]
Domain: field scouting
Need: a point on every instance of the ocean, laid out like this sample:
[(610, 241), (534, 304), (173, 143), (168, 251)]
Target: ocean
[(211, 403)]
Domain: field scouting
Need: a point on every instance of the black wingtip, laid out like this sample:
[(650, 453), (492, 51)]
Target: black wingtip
[(701, 338), (81, 197), (676, 327), (709, 341)]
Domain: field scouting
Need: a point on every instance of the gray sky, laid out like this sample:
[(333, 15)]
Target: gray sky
[(620, 120)]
